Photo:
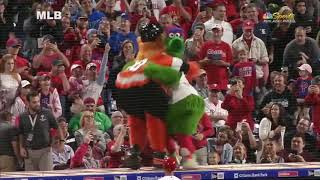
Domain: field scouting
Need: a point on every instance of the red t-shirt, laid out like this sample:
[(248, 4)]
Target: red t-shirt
[(21, 62), (236, 23), (246, 70), (56, 82), (46, 62), (217, 74), (115, 158), (174, 12)]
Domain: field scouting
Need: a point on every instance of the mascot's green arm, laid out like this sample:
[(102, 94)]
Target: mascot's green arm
[(163, 74)]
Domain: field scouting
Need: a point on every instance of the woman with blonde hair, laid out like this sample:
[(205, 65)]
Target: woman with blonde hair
[(88, 126), (9, 82)]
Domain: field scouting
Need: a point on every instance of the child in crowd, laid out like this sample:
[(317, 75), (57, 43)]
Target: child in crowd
[(301, 86), (245, 69)]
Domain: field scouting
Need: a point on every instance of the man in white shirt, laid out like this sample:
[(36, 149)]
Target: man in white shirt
[(219, 16)]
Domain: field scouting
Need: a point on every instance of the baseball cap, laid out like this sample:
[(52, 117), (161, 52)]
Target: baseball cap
[(89, 100), (42, 75), (198, 26), (25, 83), (57, 62), (248, 24), (124, 16), (214, 87), (216, 26), (91, 32), (90, 65), (13, 42), (305, 67), (74, 66)]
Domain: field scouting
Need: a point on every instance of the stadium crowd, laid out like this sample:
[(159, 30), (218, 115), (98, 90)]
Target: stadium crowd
[(260, 79)]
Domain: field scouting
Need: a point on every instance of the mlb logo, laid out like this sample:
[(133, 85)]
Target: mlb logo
[(220, 175)]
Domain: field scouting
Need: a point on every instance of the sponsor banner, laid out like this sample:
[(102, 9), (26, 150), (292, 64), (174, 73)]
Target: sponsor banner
[(315, 172), (250, 175), (121, 177), (93, 178), (191, 177), (217, 175), (288, 174)]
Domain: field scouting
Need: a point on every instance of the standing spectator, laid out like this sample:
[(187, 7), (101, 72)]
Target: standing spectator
[(9, 82), (118, 146), (301, 88), (8, 143), (257, 52), (140, 10), (124, 33), (95, 79), (102, 121), (180, 13), (219, 17), (6, 24), (273, 126), (22, 65), (303, 18), (301, 50), (36, 127), (216, 57), (49, 53), (75, 80), (302, 129), (155, 6), (49, 96), (280, 37), (193, 45), (166, 21), (246, 70), (92, 14), (238, 105), (201, 84), (20, 105), (279, 94), (313, 100), (199, 139)]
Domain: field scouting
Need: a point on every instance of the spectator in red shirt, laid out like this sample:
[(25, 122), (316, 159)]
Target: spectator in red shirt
[(139, 11), (245, 69), (216, 58), (22, 65), (313, 99), (49, 53), (118, 146), (58, 77), (239, 106), (181, 15), (204, 131)]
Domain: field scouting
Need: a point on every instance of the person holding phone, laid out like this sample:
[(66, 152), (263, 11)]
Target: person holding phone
[(216, 57), (313, 100), (238, 105)]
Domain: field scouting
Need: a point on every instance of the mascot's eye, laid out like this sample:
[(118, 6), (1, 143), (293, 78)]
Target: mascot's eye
[(171, 35), (178, 35)]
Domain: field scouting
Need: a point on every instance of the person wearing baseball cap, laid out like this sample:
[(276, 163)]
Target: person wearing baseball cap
[(59, 78), (169, 165), (216, 57), (201, 84), (19, 105), (76, 79), (301, 84)]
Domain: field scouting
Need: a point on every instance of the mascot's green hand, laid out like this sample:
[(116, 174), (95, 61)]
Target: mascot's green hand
[(163, 74), (175, 47)]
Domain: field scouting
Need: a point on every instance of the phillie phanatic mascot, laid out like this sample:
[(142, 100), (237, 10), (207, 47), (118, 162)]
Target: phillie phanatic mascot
[(155, 93)]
